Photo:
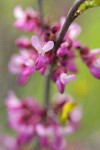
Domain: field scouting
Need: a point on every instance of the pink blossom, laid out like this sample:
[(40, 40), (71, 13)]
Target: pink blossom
[(26, 20), (63, 80), (23, 65), (42, 49), (65, 49), (20, 62), (94, 67), (24, 43), (41, 59), (95, 70), (30, 120), (15, 64), (40, 62)]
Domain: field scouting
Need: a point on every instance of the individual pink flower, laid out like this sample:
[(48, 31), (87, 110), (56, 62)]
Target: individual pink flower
[(42, 49), (95, 71), (65, 49), (41, 59), (24, 43), (15, 64), (63, 80), (40, 62), (56, 73), (23, 65), (92, 61), (19, 62), (27, 20), (94, 67)]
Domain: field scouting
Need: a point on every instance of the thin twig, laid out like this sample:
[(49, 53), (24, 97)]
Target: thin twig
[(69, 19), (40, 7), (47, 87)]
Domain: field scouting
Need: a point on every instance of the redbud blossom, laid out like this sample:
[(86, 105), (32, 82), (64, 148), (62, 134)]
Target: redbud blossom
[(41, 59)]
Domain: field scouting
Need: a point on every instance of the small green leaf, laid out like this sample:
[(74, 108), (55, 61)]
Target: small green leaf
[(89, 4), (86, 5)]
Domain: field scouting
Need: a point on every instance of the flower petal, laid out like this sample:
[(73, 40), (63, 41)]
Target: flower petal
[(18, 13), (48, 46), (95, 71), (63, 78), (67, 78), (74, 30), (71, 78), (60, 86), (40, 62), (62, 21), (95, 51), (36, 44)]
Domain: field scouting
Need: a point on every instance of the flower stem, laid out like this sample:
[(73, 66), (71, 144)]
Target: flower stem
[(40, 7), (47, 87)]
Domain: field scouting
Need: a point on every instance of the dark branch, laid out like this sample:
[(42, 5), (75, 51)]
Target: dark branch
[(69, 19), (40, 7), (47, 87)]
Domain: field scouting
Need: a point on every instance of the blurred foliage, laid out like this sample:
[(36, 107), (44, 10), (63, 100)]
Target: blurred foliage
[(85, 90)]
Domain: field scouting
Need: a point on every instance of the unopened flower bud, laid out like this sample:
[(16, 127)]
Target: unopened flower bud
[(54, 29), (40, 62)]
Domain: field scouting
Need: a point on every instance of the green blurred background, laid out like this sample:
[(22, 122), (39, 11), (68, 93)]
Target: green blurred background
[(86, 90)]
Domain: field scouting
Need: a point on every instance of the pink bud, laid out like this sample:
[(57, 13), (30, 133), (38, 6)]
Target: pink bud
[(95, 71), (40, 62), (60, 86), (54, 29)]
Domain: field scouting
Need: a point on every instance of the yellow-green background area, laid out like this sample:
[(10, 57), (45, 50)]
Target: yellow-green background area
[(85, 90)]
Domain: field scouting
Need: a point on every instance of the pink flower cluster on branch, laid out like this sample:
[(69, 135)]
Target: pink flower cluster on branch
[(49, 126), (31, 121), (38, 53)]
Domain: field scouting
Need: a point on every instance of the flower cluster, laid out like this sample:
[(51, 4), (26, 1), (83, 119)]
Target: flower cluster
[(38, 53), (27, 20), (31, 121), (49, 126)]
